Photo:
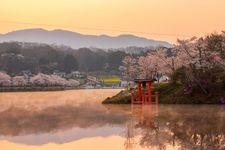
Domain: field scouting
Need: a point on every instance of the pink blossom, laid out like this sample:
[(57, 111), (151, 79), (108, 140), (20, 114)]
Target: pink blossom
[(5, 79), (19, 81)]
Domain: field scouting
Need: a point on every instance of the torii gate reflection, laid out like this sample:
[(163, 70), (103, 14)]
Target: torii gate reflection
[(145, 115), (142, 116)]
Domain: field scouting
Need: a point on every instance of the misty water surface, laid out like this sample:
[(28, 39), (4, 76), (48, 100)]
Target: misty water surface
[(76, 119)]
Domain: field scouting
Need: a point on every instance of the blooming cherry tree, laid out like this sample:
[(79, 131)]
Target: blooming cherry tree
[(130, 67), (52, 80), (148, 66), (73, 83), (5, 79), (19, 81)]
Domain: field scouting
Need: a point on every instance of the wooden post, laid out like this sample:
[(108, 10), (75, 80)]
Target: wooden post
[(143, 98), (150, 92), (149, 117), (140, 121), (132, 107), (139, 92), (156, 97), (132, 98)]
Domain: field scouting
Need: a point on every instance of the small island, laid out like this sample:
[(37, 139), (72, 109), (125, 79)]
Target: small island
[(192, 72)]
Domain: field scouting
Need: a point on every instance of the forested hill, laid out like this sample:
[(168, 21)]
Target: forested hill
[(77, 40), (16, 57)]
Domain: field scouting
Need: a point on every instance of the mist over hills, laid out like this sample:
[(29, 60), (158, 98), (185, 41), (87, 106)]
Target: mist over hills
[(16, 57), (77, 40)]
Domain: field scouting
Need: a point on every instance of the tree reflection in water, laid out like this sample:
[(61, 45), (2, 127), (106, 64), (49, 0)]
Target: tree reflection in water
[(146, 126), (18, 121), (199, 128), (184, 127), (130, 141)]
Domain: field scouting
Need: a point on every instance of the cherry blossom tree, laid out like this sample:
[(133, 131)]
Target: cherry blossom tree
[(19, 81), (57, 80), (130, 67), (148, 66), (43, 80), (52, 80), (73, 83), (201, 57), (162, 61), (5, 79), (203, 53), (168, 63), (196, 62)]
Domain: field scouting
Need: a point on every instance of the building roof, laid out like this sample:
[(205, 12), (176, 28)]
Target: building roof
[(144, 80)]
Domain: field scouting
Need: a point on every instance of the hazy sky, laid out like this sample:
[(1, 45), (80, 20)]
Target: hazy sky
[(159, 19)]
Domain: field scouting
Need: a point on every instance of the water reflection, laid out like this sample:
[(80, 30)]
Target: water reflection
[(17, 121), (183, 127), (77, 120)]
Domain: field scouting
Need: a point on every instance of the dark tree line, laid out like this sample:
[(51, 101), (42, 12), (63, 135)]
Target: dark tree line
[(16, 57)]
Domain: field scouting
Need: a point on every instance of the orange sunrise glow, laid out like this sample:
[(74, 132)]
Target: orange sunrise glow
[(157, 19)]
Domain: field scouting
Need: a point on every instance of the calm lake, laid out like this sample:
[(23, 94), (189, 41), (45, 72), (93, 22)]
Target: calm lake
[(76, 119)]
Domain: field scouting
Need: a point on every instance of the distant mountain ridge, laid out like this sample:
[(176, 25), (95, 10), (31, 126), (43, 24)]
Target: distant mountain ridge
[(77, 40)]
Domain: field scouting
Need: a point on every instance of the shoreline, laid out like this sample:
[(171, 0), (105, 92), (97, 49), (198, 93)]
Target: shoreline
[(34, 89), (174, 94), (45, 89)]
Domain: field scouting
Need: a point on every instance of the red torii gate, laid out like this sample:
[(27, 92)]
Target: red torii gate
[(144, 92)]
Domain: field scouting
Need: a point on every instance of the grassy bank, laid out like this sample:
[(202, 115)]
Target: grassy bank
[(123, 97), (174, 94)]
